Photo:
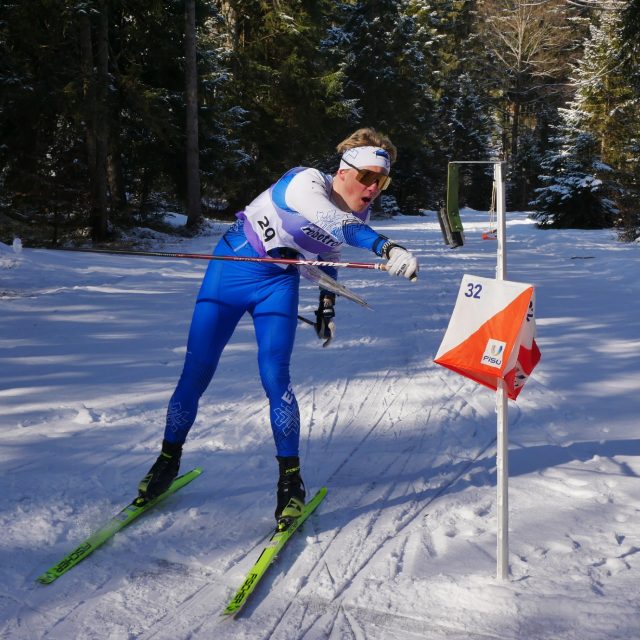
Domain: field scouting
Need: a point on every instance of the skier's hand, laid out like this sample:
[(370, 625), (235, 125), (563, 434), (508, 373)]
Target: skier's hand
[(402, 263), (325, 324)]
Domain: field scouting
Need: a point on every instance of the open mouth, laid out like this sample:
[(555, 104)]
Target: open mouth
[(366, 199)]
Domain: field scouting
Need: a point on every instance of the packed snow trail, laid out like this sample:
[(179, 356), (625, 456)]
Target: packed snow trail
[(404, 544)]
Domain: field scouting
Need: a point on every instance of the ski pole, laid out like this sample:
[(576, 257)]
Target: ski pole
[(308, 268), (206, 256)]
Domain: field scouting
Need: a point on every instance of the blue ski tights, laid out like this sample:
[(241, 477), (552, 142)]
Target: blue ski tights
[(270, 294)]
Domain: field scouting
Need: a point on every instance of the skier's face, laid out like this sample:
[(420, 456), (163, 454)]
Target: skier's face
[(351, 185)]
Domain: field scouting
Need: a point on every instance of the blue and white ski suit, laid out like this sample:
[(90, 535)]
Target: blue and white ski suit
[(294, 217)]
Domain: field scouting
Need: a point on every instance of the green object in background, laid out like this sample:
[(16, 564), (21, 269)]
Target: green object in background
[(449, 215), (453, 210)]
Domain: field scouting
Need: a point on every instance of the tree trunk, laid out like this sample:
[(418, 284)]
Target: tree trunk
[(115, 167), (99, 215), (88, 97), (228, 13), (191, 85), (115, 173), (515, 128), (95, 93)]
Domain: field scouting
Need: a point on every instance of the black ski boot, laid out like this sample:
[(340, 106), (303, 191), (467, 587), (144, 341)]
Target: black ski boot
[(162, 473), (291, 491)]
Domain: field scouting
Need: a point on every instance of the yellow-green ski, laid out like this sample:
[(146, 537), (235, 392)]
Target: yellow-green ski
[(268, 555), (109, 529)]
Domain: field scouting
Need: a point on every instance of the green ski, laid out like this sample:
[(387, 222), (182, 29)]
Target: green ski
[(268, 555), (109, 529)]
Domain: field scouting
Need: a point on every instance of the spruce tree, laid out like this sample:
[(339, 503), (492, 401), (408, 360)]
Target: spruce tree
[(577, 190), (379, 51), (605, 96), (43, 167), (284, 92), (629, 202), (468, 136)]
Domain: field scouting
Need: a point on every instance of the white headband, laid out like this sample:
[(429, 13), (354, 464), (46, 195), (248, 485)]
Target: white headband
[(365, 157)]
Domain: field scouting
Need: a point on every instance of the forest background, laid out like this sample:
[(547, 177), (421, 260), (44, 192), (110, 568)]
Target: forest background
[(111, 111)]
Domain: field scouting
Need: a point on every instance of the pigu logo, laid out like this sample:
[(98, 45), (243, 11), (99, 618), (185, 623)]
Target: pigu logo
[(493, 353)]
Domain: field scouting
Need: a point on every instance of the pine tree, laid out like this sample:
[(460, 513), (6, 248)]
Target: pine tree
[(468, 136), (462, 128), (193, 199), (379, 51), (42, 165), (630, 49), (283, 90), (605, 95), (576, 191), (526, 166)]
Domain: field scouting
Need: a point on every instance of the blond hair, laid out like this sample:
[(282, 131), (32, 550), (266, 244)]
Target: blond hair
[(368, 137)]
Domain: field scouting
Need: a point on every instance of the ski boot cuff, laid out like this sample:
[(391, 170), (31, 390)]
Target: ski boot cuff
[(171, 449)]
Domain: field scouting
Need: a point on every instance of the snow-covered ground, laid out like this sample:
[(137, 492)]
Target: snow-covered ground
[(404, 546)]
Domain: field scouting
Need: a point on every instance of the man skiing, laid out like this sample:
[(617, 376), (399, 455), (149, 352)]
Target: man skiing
[(305, 214)]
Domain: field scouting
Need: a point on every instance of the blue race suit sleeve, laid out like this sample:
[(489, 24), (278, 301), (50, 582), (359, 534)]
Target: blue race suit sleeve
[(359, 234)]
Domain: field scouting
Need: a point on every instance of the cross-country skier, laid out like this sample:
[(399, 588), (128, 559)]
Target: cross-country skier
[(307, 214)]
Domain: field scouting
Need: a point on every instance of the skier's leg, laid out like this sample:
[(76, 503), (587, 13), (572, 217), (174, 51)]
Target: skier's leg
[(212, 325), (275, 320), (218, 309)]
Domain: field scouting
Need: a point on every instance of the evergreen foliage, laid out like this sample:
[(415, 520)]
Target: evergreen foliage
[(93, 131), (380, 52), (629, 200), (577, 191), (600, 132), (468, 136)]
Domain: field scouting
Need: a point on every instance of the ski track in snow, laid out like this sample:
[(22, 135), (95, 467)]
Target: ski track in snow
[(404, 544)]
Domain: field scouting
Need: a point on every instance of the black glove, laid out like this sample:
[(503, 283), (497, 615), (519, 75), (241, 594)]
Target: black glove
[(325, 325)]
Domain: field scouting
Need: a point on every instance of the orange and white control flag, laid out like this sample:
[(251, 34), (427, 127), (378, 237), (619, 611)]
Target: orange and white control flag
[(491, 333)]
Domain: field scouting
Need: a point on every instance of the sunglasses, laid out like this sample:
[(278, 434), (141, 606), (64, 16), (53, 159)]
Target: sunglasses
[(368, 177)]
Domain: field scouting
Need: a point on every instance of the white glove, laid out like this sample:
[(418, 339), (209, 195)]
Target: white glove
[(402, 263)]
